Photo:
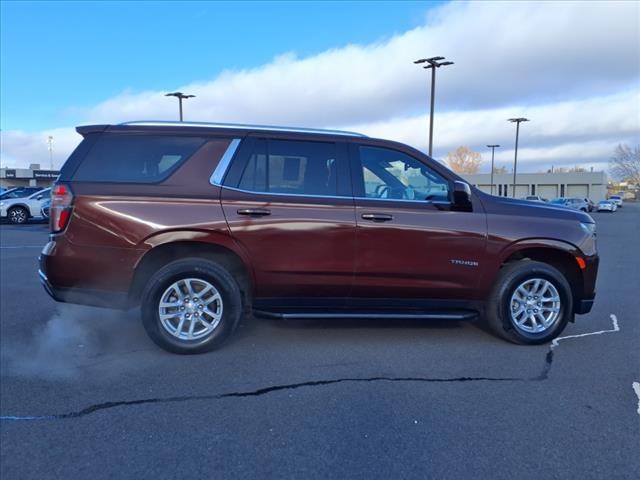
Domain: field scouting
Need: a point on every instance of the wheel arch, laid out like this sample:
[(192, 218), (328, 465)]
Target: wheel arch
[(558, 254), (21, 205), (164, 253)]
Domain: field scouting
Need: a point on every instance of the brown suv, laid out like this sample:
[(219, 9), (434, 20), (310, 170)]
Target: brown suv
[(196, 223)]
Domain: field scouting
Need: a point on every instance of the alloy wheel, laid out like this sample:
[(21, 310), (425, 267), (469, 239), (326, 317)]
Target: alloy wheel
[(190, 309), (535, 306)]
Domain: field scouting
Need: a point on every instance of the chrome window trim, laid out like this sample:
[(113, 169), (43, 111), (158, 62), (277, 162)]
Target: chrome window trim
[(240, 126), (286, 194), (223, 164), (423, 202)]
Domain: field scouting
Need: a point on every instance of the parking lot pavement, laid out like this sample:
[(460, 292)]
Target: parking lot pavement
[(84, 393)]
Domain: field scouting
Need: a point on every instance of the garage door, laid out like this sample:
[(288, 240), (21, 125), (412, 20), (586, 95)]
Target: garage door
[(578, 191), (547, 191), (522, 191)]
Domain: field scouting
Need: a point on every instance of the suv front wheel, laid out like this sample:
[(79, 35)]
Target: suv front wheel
[(191, 306), (530, 303)]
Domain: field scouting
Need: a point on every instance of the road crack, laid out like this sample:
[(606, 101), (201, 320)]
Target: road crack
[(544, 375)]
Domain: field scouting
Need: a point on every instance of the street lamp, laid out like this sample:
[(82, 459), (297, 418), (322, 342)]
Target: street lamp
[(517, 121), (493, 151), (50, 148), (434, 62), (179, 96)]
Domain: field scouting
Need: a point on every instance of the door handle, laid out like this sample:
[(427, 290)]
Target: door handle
[(377, 217), (254, 212)]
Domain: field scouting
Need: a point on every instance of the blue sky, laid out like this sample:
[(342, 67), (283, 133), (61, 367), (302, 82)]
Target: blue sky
[(572, 67), (56, 55)]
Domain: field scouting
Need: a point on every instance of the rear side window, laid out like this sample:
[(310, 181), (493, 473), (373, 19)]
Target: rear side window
[(291, 167), (135, 158)]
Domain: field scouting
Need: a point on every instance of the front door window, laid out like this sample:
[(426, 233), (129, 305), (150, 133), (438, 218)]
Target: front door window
[(389, 174)]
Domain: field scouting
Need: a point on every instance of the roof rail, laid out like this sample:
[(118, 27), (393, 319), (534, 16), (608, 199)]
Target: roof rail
[(237, 126)]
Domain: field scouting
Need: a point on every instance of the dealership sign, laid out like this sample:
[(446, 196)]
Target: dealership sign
[(45, 174), (10, 173)]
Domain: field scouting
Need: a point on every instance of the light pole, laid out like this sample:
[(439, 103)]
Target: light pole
[(180, 96), (50, 148), (517, 121), (493, 151), (434, 62)]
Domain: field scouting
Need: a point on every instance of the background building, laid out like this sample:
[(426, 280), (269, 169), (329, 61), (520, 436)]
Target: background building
[(591, 185), (33, 176)]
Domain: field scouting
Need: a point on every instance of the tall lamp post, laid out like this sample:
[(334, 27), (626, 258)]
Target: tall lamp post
[(434, 62), (180, 96), (517, 121), (50, 148), (493, 151)]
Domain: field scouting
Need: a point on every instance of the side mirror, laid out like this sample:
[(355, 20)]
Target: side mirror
[(461, 196)]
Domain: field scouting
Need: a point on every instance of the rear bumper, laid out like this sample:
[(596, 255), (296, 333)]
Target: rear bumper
[(80, 296)]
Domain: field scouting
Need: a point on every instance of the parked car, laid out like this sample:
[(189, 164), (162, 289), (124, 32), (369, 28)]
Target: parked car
[(575, 203), (19, 192), (607, 206), (617, 199), (44, 210), (535, 198), (198, 223), (590, 205), (20, 210)]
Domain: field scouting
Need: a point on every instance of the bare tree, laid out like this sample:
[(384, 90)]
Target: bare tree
[(464, 160), (574, 169), (625, 163)]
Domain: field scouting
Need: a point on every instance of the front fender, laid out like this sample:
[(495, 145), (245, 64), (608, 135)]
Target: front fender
[(523, 244)]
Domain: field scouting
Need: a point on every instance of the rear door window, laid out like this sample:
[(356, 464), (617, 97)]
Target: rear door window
[(292, 167), (135, 158)]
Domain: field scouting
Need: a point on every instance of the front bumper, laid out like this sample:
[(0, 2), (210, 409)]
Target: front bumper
[(584, 306)]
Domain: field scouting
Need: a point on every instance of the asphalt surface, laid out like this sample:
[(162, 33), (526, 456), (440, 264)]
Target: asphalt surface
[(85, 394)]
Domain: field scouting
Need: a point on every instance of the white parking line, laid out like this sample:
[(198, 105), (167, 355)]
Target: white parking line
[(25, 246), (615, 328), (636, 388)]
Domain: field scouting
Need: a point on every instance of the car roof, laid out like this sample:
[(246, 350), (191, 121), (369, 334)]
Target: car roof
[(203, 127)]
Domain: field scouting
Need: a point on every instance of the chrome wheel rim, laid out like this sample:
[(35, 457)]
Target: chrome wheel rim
[(190, 309), (535, 305)]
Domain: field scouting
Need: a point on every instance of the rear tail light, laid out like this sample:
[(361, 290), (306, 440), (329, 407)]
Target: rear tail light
[(61, 206)]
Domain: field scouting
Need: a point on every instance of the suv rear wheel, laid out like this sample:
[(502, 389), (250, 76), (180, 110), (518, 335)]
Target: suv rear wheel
[(191, 306), (530, 303)]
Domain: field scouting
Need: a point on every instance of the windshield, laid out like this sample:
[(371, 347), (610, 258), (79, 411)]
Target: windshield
[(558, 201)]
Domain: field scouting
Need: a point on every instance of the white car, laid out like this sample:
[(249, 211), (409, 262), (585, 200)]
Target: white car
[(617, 199), (19, 210), (607, 206), (535, 198)]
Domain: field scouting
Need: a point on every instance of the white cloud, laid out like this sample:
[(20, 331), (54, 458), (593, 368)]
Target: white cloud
[(548, 61)]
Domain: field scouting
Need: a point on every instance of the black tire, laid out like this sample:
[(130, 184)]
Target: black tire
[(18, 215), (498, 310), (196, 268)]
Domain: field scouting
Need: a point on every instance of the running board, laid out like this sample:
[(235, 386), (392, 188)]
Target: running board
[(457, 316)]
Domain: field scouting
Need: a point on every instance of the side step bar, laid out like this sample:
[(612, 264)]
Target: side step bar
[(457, 316)]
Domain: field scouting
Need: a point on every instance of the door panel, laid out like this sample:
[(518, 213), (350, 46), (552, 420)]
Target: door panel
[(425, 251), (292, 212), (414, 248), (303, 248)]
